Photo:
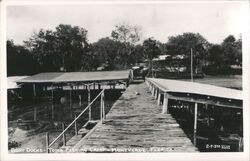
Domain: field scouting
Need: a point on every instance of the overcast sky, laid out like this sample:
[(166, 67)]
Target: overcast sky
[(214, 21)]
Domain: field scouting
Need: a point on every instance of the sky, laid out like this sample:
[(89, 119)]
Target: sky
[(215, 21)]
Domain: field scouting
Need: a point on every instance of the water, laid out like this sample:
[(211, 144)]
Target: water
[(29, 119), (212, 137)]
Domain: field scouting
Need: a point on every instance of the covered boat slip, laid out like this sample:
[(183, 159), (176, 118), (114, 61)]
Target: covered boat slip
[(76, 80), (196, 95), (195, 92), (69, 77)]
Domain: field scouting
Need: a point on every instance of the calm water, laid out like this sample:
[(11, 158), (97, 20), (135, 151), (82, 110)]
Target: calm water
[(29, 119), (50, 114)]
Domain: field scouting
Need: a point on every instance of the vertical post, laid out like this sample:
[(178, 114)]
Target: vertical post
[(52, 92), (34, 90), (153, 90), (76, 132), (165, 104), (64, 136), (52, 111), (208, 115), (70, 96), (159, 98), (70, 101), (99, 86), (89, 102), (195, 121), (156, 93), (240, 146), (47, 141), (191, 66), (35, 111), (80, 100), (101, 108)]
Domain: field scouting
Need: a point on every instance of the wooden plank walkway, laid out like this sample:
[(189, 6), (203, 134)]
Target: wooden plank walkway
[(135, 124)]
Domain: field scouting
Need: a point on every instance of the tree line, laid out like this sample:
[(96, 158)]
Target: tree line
[(67, 48)]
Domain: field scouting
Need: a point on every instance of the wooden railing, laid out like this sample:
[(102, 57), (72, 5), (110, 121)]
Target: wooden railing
[(62, 134)]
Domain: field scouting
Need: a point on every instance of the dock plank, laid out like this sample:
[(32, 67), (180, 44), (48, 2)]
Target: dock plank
[(135, 121)]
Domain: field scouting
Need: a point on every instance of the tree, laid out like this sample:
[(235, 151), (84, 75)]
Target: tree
[(128, 35), (19, 60), (232, 49), (106, 52), (150, 51), (182, 45), (64, 49), (215, 56)]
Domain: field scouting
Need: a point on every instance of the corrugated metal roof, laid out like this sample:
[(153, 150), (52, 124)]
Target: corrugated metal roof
[(197, 88), (76, 77)]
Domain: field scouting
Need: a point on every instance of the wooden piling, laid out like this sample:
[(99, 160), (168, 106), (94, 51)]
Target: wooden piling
[(165, 104), (64, 136), (89, 99), (76, 130), (35, 113), (52, 111), (47, 141), (101, 109), (34, 90), (52, 92), (153, 90), (80, 100), (156, 93), (195, 122), (159, 98)]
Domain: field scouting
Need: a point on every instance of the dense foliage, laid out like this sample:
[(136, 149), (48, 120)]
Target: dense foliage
[(67, 49)]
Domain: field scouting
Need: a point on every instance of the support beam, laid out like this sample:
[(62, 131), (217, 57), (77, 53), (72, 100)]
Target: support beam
[(76, 130), (165, 104), (195, 121), (64, 136), (156, 93), (47, 141), (89, 99), (159, 98), (80, 100), (34, 90), (153, 90), (52, 112), (52, 92), (35, 113)]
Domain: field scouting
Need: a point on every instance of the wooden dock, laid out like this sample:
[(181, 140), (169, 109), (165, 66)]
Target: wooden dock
[(135, 123)]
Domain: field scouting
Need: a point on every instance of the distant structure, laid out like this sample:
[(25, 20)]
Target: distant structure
[(174, 67)]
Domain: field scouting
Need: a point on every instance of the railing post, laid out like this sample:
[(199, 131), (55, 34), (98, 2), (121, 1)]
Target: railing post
[(89, 102), (47, 142), (195, 121), (64, 136), (165, 103), (76, 130)]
